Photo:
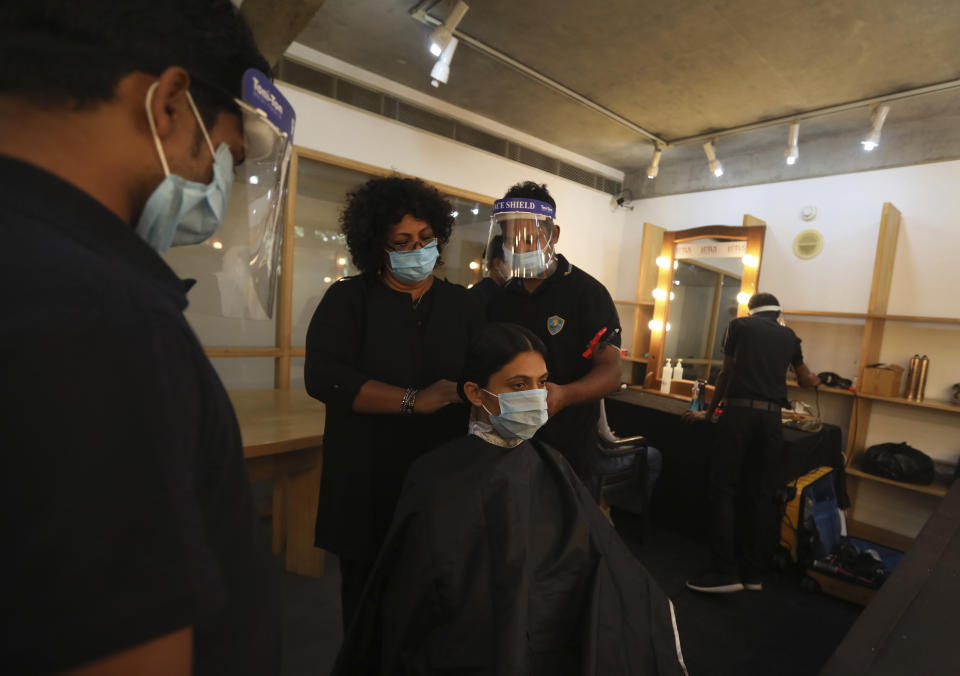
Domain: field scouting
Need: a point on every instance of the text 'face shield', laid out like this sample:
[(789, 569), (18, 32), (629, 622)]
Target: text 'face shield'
[(261, 180), (523, 229)]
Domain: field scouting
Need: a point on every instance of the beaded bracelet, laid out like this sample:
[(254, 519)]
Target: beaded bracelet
[(406, 405)]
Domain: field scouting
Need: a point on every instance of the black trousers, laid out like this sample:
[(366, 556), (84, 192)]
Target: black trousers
[(353, 578), (744, 471)]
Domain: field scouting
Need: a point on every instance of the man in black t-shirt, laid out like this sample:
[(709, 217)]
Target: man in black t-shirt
[(130, 542), (570, 311), (744, 466)]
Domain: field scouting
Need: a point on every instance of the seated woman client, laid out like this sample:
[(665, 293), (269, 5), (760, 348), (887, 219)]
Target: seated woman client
[(498, 560)]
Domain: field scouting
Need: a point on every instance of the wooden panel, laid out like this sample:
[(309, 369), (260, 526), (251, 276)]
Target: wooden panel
[(756, 232), (221, 352), (883, 262), (301, 490), (647, 279), (661, 308), (277, 421), (936, 488)]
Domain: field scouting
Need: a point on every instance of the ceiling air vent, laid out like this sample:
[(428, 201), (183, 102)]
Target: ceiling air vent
[(808, 244), (407, 112)]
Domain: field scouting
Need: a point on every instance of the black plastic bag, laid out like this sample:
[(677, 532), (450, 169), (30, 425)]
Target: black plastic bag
[(900, 462)]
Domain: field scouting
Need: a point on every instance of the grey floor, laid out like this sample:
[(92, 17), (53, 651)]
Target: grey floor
[(311, 621)]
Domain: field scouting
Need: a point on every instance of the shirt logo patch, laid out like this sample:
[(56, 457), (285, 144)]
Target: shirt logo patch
[(555, 324)]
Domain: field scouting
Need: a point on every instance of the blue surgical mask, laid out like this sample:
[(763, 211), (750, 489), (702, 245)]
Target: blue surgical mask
[(415, 265), (181, 212), (522, 413), (527, 264)]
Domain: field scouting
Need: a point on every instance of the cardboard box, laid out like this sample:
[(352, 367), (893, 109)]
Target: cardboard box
[(882, 380)]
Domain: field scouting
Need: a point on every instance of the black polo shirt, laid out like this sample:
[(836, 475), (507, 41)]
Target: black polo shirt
[(762, 350), (566, 311), (126, 510)]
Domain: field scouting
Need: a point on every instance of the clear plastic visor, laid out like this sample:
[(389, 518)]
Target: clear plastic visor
[(260, 183), (520, 244)]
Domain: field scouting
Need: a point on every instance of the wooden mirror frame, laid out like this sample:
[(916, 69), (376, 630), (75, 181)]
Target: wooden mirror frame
[(752, 231)]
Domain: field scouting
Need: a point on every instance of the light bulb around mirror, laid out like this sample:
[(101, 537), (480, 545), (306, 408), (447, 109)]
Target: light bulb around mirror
[(659, 294), (655, 325), (750, 260), (743, 297), (663, 262)]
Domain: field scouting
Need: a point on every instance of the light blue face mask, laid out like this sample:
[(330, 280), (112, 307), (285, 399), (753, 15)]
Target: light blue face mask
[(181, 212), (415, 265), (527, 263), (522, 413)]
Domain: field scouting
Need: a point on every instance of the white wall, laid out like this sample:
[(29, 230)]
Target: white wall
[(849, 218), (591, 232)]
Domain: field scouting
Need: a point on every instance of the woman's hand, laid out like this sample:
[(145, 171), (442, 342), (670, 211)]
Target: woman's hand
[(436, 396)]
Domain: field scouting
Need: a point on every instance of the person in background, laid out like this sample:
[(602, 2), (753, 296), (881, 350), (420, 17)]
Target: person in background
[(745, 464), (130, 542), (570, 311), (498, 560), (497, 272), (384, 351)]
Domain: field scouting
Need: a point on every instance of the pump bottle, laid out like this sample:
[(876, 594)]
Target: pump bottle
[(678, 370), (665, 377)]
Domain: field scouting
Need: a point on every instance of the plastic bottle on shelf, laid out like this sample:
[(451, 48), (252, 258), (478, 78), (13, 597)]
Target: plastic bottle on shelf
[(678, 370), (665, 377)]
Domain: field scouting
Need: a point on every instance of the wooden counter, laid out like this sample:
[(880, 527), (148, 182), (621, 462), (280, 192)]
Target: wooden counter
[(282, 433)]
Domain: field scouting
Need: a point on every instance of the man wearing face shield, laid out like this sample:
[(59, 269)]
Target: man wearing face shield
[(570, 311), (131, 544)]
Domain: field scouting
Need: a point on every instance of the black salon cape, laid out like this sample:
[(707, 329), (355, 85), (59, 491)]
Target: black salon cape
[(499, 562)]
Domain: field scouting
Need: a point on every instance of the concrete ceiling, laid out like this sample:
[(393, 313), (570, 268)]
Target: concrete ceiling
[(677, 68)]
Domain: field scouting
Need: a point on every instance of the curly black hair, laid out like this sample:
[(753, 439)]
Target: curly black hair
[(378, 205)]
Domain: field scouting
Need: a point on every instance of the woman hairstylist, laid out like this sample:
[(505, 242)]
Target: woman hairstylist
[(384, 350)]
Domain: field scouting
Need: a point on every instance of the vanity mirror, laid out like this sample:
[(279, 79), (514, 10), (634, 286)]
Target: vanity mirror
[(706, 275)]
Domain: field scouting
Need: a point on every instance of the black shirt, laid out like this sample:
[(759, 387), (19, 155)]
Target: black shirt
[(126, 510), (365, 330), (566, 311), (763, 350), (483, 291)]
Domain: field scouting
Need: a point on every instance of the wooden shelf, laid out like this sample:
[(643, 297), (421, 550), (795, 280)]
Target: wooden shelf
[(936, 488), (635, 360), (900, 401), (827, 390), (634, 302), (836, 315), (873, 315)]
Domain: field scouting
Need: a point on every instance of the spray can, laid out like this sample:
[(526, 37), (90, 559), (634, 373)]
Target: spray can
[(913, 378), (911, 372), (922, 380)]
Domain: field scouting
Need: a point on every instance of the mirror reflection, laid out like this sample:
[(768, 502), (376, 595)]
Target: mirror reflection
[(706, 280)]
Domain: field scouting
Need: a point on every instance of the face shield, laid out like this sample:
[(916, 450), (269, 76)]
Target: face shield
[(260, 182), (524, 228)]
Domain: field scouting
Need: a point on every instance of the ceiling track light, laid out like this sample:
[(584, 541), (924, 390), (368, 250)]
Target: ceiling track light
[(873, 138), (792, 152), (654, 167), (710, 149), (441, 69), (441, 36)]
